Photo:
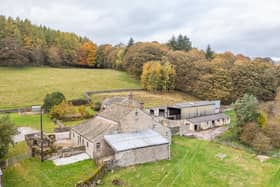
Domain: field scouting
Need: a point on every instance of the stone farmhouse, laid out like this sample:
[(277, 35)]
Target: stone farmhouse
[(190, 116), (124, 134)]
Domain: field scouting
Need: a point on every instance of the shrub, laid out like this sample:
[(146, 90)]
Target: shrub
[(97, 106), (262, 119), (252, 135), (248, 133), (79, 102), (61, 110), (273, 131), (261, 143), (53, 99)]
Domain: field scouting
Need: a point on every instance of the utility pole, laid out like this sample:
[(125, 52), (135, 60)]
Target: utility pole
[(42, 138)]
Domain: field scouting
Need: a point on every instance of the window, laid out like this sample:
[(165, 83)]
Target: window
[(98, 145), (152, 112), (154, 126), (166, 133), (87, 144), (73, 135), (136, 113), (83, 141)]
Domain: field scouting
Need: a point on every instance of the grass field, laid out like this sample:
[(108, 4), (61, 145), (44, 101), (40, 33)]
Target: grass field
[(33, 173), (33, 121), (25, 86), (194, 163), (150, 99)]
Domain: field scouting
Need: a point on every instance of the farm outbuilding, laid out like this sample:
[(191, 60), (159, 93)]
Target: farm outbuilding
[(138, 147)]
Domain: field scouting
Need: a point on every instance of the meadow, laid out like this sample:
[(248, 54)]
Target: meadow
[(31, 172), (150, 99), (194, 163), (25, 86)]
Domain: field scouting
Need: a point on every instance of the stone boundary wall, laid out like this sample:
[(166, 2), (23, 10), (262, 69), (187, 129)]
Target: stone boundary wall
[(86, 94), (92, 180), (89, 93)]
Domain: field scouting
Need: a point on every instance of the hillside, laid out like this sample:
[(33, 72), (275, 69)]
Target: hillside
[(29, 85), (194, 163)]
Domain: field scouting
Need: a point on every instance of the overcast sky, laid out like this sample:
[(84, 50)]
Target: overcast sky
[(251, 27)]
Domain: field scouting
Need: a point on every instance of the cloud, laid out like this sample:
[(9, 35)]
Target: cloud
[(250, 27)]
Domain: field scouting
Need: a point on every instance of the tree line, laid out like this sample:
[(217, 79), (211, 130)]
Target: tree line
[(22, 43), (205, 74)]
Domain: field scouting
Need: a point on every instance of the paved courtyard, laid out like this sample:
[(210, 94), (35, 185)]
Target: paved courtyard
[(71, 159), (22, 131)]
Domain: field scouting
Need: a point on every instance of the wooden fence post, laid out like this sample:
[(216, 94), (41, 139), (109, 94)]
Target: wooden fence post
[(1, 174)]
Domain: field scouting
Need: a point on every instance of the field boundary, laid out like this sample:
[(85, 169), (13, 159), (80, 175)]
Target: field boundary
[(87, 95)]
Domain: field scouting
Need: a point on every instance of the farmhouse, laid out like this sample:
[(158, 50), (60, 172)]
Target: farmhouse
[(191, 116), (123, 130)]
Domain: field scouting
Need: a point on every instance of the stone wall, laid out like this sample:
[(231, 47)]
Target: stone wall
[(142, 155)]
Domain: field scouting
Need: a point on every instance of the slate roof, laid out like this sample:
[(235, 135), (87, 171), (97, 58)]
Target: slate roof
[(94, 127), (120, 100), (133, 140), (193, 104), (208, 118), (116, 112)]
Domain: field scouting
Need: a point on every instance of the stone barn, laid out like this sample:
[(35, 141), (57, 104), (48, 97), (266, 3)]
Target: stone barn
[(122, 120), (138, 147)]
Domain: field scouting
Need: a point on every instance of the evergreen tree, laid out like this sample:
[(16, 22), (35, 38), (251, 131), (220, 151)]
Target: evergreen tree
[(180, 43), (130, 42), (209, 53)]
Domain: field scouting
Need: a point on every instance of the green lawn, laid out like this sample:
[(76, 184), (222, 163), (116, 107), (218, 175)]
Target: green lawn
[(33, 121), (33, 173), (25, 86), (17, 149), (150, 99), (194, 163)]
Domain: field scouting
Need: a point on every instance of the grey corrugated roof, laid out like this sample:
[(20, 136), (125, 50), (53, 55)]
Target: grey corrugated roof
[(134, 140), (94, 127), (208, 118), (116, 112), (192, 104)]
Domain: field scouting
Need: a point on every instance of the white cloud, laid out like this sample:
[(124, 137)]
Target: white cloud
[(250, 27)]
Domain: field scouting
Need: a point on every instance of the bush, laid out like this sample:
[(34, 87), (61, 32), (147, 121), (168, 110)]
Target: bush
[(262, 119), (97, 106), (273, 131), (52, 99), (61, 110), (248, 133), (252, 135), (79, 102), (261, 143)]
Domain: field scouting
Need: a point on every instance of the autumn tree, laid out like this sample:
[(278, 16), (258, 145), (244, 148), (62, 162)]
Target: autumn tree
[(102, 54), (88, 54), (140, 53), (158, 76)]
